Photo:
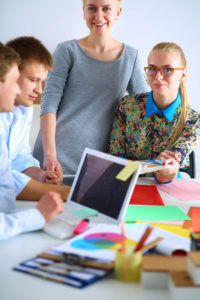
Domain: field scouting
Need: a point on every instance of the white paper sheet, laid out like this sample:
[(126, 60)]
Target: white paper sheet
[(91, 244)]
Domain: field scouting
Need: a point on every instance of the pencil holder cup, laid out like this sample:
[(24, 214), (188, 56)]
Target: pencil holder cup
[(128, 265)]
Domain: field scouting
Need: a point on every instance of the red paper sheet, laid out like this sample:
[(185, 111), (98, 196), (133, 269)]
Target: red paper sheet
[(147, 195)]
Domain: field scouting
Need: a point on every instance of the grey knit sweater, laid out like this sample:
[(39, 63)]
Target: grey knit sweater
[(83, 93)]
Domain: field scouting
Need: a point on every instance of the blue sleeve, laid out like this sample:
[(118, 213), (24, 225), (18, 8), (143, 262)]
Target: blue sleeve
[(20, 181), (20, 154), (19, 150), (24, 221), (24, 160), (7, 190)]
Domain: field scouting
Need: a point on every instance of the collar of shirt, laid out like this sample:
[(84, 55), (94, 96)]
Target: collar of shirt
[(168, 112)]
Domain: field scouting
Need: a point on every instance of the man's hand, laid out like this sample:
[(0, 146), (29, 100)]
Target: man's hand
[(52, 164), (50, 177), (50, 205)]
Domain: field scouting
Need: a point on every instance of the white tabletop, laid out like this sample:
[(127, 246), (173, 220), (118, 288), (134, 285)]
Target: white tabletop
[(18, 286)]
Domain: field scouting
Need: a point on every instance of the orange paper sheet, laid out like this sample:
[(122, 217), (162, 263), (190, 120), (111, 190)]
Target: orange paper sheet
[(188, 223), (195, 220)]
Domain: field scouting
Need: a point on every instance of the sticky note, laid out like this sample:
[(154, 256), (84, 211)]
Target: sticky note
[(85, 212), (127, 171), (154, 213)]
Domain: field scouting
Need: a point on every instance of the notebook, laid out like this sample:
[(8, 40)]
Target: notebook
[(95, 187)]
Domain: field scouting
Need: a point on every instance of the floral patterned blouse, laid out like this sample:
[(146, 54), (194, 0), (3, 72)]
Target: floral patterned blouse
[(138, 137)]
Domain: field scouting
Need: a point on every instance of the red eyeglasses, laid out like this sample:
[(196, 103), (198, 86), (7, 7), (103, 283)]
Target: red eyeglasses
[(166, 71)]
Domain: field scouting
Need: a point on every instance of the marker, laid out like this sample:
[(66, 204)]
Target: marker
[(81, 227)]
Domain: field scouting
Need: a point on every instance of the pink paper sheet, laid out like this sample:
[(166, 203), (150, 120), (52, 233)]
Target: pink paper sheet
[(182, 190), (180, 223)]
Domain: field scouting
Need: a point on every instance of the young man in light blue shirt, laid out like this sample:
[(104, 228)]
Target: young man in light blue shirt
[(30, 181), (51, 203)]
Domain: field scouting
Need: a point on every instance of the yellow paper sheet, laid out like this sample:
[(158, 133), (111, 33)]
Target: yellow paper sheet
[(176, 229)]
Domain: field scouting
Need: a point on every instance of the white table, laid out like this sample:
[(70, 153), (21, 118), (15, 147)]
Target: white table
[(18, 286)]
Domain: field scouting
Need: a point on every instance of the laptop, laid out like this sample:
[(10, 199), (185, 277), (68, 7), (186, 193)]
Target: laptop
[(95, 186)]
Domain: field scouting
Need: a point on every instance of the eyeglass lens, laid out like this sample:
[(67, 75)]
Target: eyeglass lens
[(167, 71)]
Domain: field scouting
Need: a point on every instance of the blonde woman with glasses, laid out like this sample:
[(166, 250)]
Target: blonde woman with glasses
[(160, 124)]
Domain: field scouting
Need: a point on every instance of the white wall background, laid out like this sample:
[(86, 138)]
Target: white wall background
[(142, 24)]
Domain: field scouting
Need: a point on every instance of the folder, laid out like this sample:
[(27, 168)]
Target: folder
[(54, 268)]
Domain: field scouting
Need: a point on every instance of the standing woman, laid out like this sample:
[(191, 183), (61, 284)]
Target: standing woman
[(160, 124), (89, 78)]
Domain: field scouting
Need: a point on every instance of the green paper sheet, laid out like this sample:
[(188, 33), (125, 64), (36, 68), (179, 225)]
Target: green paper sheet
[(85, 212), (154, 213)]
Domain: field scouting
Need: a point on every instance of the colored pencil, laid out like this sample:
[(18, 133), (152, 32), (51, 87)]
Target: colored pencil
[(123, 244), (143, 239), (151, 244)]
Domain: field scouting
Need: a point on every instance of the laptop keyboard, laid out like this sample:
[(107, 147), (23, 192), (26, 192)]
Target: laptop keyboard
[(63, 225), (71, 219)]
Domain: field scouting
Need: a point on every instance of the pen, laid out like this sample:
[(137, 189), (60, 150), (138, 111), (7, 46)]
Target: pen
[(157, 162), (123, 251), (45, 275), (75, 259), (143, 239)]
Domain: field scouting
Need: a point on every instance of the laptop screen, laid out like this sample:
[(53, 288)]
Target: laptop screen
[(97, 187)]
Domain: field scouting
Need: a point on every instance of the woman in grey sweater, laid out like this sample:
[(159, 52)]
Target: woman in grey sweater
[(88, 79)]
